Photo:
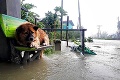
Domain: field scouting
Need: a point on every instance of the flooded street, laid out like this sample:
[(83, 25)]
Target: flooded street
[(68, 65)]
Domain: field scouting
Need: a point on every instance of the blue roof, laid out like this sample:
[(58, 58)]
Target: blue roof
[(70, 21)]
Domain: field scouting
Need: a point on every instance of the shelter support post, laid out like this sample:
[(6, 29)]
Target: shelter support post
[(67, 30), (11, 8), (82, 39)]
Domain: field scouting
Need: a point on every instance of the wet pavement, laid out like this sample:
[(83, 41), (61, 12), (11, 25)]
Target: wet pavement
[(68, 65)]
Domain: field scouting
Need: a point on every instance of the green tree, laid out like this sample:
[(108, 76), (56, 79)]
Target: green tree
[(52, 20), (28, 15), (59, 11)]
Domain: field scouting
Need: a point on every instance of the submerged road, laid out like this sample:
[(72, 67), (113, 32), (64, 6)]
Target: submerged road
[(68, 65)]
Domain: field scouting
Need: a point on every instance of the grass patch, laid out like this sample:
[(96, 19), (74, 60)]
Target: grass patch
[(49, 51)]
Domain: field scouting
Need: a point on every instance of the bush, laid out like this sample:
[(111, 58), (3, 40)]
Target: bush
[(48, 51), (89, 39)]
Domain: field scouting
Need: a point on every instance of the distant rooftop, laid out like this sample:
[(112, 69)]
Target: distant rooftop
[(70, 21)]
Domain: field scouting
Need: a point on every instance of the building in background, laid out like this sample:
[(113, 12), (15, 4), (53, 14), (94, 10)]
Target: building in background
[(70, 24)]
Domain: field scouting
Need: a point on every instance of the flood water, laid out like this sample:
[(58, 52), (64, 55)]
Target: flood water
[(68, 65)]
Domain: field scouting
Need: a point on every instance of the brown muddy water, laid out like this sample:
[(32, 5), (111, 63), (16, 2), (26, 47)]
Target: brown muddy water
[(67, 65)]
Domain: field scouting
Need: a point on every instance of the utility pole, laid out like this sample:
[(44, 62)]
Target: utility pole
[(99, 31), (61, 18), (118, 27), (79, 18), (81, 32)]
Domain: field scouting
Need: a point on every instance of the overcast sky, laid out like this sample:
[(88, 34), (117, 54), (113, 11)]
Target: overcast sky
[(93, 13)]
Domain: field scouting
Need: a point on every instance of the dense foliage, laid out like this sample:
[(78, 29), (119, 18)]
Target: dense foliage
[(52, 20), (28, 15)]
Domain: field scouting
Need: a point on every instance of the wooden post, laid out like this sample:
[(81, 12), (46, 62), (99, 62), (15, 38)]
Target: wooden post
[(82, 40), (12, 8), (36, 55), (67, 30), (25, 57), (57, 44), (35, 21)]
